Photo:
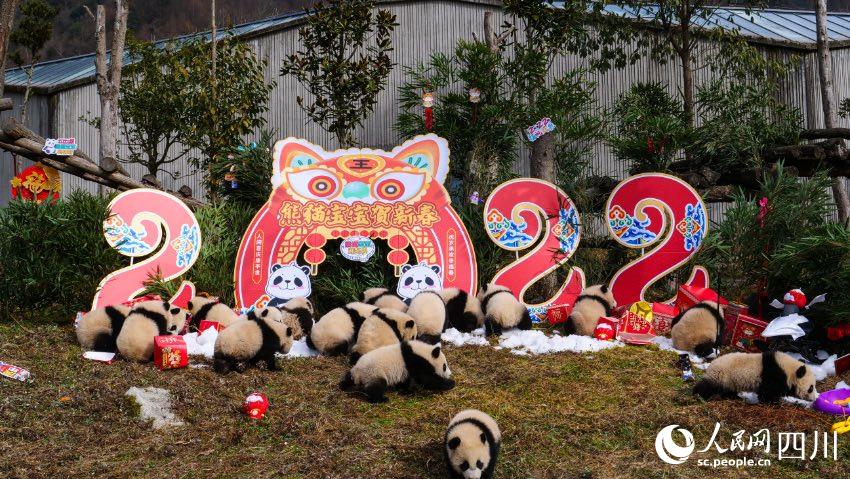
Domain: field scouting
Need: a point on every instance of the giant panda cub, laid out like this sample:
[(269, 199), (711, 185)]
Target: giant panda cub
[(381, 328), (771, 375), (298, 314), (335, 332), (593, 303), (463, 311), (699, 329), (146, 321), (471, 445), (502, 310), (256, 339), (399, 364), (99, 328), (209, 309), (429, 312), (382, 298)]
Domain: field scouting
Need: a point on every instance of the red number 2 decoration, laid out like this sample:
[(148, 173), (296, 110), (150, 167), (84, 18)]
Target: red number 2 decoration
[(513, 214), (650, 209), (141, 220)]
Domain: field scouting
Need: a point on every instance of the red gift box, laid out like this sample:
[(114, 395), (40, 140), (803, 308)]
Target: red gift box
[(730, 318), (558, 314), (662, 317), (606, 328), (635, 325), (169, 352), (209, 324), (747, 331), (691, 295)]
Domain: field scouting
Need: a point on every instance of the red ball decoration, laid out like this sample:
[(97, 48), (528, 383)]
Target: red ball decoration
[(398, 242), (315, 240), (255, 405), (397, 257), (315, 256)]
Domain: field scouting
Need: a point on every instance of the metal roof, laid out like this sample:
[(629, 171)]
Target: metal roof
[(788, 28)]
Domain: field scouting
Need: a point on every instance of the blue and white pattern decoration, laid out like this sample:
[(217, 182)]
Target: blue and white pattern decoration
[(127, 240), (187, 245), (568, 229), (693, 226)]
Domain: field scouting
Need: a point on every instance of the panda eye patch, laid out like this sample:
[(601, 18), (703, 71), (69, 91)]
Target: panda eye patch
[(298, 282), (479, 464), (429, 281), (483, 438), (811, 388), (277, 280), (464, 465), (445, 366), (408, 281)]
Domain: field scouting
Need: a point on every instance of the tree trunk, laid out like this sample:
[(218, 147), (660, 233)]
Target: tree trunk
[(839, 188), (543, 158), (213, 39), (7, 16), (109, 78), (687, 79)]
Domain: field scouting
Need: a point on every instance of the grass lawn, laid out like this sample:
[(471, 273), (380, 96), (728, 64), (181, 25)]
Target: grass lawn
[(562, 416)]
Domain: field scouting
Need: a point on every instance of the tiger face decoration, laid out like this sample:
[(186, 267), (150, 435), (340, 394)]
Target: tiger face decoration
[(395, 196)]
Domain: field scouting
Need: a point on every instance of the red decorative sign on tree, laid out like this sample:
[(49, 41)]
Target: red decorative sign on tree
[(395, 196), (37, 183)]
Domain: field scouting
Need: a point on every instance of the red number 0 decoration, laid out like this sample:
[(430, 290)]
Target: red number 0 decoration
[(513, 220), (649, 209), (140, 221)]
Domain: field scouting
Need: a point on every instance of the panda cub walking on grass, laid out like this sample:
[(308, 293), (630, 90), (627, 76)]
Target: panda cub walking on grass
[(471, 445), (336, 331), (771, 375), (255, 339)]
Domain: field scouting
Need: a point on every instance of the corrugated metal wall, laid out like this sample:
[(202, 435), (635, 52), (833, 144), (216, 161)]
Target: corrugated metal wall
[(427, 27), (37, 120)]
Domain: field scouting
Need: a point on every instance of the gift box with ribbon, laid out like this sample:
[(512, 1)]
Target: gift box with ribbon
[(662, 317), (691, 295), (635, 325), (747, 331), (558, 314), (169, 352)]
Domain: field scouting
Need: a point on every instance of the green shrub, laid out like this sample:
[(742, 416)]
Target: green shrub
[(251, 167), (53, 257)]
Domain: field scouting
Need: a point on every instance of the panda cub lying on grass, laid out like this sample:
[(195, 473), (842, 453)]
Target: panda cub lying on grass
[(400, 364), (771, 375)]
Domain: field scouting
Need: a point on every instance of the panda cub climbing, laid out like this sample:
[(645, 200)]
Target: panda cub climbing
[(463, 310), (502, 310), (146, 321), (382, 298), (209, 309), (401, 364), (298, 314), (471, 445), (99, 328), (429, 312), (771, 375), (335, 332), (253, 340), (383, 327), (699, 329), (593, 303)]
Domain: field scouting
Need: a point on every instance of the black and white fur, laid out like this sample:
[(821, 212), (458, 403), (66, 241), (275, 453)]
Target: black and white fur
[(99, 328), (771, 375), (429, 312), (298, 314), (382, 298), (208, 309), (471, 445), (256, 339), (502, 310), (399, 365), (699, 329), (463, 310), (336, 331), (593, 303), (381, 328), (146, 321)]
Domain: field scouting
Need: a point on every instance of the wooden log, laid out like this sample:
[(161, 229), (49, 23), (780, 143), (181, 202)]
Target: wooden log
[(718, 194), (823, 133), (6, 104), (109, 164)]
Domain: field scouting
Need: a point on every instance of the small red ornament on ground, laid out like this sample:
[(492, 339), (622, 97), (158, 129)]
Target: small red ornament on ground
[(255, 405), (558, 314), (169, 352), (204, 325)]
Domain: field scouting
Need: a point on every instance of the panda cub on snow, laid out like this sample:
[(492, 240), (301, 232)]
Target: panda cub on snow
[(255, 339), (335, 332), (471, 445), (146, 321), (298, 314), (99, 328), (429, 312), (699, 328), (463, 310), (502, 310), (209, 309), (382, 298), (400, 364), (771, 375), (383, 327), (593, 303)]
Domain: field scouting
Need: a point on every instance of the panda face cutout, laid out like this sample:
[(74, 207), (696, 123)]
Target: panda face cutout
[(287, 282), (417, 278)]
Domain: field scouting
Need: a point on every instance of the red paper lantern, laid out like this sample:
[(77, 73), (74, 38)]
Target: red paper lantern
[(397, 257), (398, 242), (315, 256), (315, 240), (255, 405)]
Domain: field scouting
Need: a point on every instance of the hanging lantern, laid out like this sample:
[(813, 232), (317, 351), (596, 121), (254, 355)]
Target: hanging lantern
[(314, 254), (428, 103), (37, 183)]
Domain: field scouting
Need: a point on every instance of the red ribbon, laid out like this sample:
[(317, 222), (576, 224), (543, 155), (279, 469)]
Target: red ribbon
[(762, 211), (429, 118)]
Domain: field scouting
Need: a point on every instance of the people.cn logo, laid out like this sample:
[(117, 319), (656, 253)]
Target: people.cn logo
[(667, 448)]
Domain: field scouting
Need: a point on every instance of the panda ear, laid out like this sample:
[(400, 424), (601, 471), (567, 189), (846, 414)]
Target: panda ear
[(454, 443), (406, 268), (306, 270), (483, 438), (166, 306), (409, 324), (289, 331), (604, 288), (801, 371), (276, 267), (175, 310), (264, 313), (190, 305), (435, 353), (435, 268)]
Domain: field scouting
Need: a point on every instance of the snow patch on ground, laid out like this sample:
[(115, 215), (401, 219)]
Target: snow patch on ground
[(752, 398), (300, 350), (842, 385), (537, 342), (666, 344), (458, 338), (155, 405), (201, 344), (823, 370)]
